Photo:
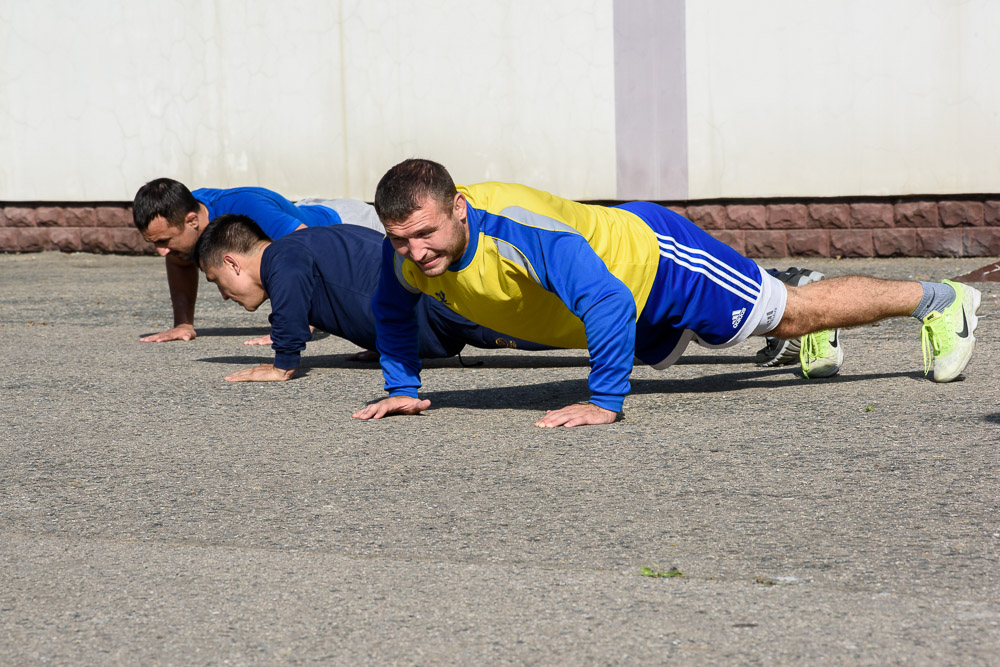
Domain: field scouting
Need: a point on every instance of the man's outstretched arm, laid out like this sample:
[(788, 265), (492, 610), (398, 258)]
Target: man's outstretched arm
[(182, 279), (607, 309), (290, 282), (398, 344)]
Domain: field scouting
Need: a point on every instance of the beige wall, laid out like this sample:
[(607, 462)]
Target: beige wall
[(319, 97), (308, 97), (809, 98)]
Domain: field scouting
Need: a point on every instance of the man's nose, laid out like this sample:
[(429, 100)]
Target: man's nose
[(416, 250), (162, 251)]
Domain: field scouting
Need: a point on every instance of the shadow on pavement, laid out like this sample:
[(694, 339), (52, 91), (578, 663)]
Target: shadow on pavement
[(341, 361), (513, 360), (707, 360), (224, 331), (530, 397)]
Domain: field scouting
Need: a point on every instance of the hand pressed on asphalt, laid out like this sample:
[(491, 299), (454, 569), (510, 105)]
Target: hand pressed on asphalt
[(262, 373), (180, 332), (394, 405), (263, 340), (578, 414)]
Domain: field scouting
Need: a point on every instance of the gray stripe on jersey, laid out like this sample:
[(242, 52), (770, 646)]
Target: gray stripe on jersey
[(532, 219), (397, 265), (512, 254)]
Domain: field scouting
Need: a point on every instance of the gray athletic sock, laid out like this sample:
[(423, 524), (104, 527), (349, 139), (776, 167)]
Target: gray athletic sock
[(937, 296)]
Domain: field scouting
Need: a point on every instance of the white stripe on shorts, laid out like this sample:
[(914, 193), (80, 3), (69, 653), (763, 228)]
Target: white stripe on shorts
[(720, 268), (739, 290)]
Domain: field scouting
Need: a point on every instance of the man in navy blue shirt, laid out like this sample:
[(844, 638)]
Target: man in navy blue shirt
[(323, 277), (171, 217)]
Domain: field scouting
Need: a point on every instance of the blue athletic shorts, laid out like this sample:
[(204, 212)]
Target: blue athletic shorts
[(704, 291)]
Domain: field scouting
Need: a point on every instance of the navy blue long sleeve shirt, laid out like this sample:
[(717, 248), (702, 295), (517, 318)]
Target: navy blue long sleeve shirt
[(326, 277)]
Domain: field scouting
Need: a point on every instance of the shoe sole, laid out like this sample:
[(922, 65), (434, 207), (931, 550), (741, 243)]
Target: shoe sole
[(973, 321), (805, 276), (787, 353)]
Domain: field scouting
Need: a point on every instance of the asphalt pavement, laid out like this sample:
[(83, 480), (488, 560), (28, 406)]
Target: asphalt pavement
[(151, 513)]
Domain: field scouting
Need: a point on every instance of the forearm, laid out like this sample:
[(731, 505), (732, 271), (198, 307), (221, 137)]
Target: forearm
[(399, 358), (610, 327), (603, 303), (288, 339), (397, 338), (182, 280)]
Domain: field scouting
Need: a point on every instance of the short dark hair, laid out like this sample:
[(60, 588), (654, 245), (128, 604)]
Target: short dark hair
[(401, 188), (163, 197), (227, 233)]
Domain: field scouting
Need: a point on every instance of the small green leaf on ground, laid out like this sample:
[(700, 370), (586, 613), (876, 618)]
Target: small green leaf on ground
[(765, 582), (655, 571), (869, 407)]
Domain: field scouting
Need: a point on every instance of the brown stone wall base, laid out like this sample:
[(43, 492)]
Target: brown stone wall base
[(708, 217), (894, 242), (872, 227), (734, 238), (851, 243), (71, 228), (808, 243), (766, 244)]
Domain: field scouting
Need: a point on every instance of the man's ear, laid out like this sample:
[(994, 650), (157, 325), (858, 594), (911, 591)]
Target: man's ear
[(232, 262), (191, 220), (460, 203)]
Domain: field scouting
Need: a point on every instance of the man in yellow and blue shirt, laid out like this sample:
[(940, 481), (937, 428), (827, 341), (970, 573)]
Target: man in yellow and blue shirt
[(631, 280)]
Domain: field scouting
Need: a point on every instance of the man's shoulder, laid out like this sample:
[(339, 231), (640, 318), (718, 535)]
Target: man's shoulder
[(521, 204), (495, 195), (205, 194), (289, 246), (250, 192), (283, 258), (327, 243)]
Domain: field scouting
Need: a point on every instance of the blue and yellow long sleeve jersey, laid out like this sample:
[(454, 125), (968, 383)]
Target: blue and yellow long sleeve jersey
[(537, 267)]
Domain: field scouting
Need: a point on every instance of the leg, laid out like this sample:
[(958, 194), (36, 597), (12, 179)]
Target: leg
[(719, 283), (845, 302), (780, 351)]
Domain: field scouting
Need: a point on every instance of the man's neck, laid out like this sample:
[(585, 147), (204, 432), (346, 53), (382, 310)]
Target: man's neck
[(254, 259), (202, 217), (467, 232)]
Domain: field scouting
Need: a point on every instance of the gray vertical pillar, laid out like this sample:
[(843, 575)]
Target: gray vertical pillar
[(650, 99)]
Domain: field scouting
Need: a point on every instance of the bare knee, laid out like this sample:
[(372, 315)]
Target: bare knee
[(796, 320)]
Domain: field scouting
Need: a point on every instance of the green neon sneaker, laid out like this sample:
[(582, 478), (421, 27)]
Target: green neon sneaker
[(946, 339), (821, 353)]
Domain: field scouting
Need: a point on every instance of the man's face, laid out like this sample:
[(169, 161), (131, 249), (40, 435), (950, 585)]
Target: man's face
[(171, 240), (434, 236), (234, 282)]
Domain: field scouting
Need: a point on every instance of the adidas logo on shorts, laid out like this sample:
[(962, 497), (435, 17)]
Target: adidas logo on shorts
[(738, 316)]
